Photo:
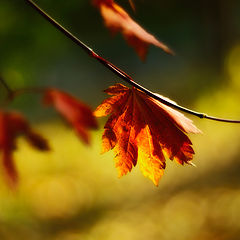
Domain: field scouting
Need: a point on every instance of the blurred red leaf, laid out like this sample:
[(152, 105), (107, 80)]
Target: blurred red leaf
[(12, 125), (118, 20), (141, 129), (77, 114)]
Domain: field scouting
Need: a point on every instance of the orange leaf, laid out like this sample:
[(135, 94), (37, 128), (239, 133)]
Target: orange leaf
[(118, 20), (75, 112), (140, 129), (11, 125)]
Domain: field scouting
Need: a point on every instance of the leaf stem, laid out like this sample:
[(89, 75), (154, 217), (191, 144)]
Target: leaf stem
[(117, 71)]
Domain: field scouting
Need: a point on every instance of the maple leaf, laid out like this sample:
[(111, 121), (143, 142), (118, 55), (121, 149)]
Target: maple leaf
[(12, 125), (77, 114), (141, 129), (118, 20)]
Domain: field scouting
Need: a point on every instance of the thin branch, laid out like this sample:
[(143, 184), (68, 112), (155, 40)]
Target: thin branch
[(21, 91), (5, 85), (221, 119), (118, 71)]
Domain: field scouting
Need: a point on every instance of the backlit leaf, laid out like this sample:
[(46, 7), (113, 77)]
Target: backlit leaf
[(142, 130)]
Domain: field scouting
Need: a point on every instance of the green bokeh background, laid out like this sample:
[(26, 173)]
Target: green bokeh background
[(73, 192)]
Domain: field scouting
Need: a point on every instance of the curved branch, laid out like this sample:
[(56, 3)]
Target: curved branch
[(118, 71)]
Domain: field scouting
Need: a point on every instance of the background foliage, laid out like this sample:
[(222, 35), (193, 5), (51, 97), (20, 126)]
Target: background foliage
[(73, 192)]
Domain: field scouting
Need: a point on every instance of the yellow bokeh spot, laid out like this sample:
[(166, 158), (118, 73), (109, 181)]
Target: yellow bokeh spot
[(57, 197)]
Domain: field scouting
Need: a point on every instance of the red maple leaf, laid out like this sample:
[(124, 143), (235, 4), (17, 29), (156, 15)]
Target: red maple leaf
[(77, 114), (12, 125), (118, 20), (141, 129)]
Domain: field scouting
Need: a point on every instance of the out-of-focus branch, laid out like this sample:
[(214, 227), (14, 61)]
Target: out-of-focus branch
[(6, 86)]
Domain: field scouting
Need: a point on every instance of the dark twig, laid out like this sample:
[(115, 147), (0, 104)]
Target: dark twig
[(5, 85), (30, 90), (118, 71)]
